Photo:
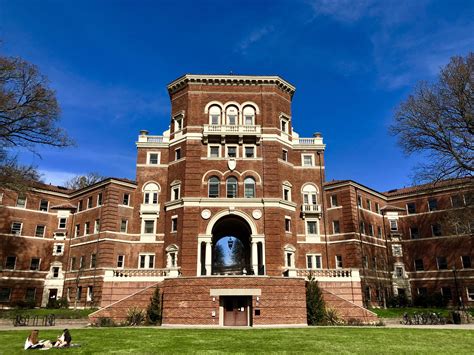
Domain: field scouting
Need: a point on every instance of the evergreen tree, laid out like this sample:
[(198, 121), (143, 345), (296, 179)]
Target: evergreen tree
[(315, 307), (153, 312)]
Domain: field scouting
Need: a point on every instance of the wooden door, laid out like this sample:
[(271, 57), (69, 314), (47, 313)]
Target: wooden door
[(235, 311)]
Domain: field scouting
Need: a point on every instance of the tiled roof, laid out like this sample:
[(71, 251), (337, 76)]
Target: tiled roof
[(49, 187), (428, 187)]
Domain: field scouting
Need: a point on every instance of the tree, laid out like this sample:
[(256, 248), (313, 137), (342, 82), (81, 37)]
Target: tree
[(438, 119), (81, 181), (29, 113), (315, 306), (153, 312)]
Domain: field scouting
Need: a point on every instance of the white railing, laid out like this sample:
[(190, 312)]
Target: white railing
[(140, 274), (217, 128), (330, 274), (153, 139), (310, 208), (308, 141)]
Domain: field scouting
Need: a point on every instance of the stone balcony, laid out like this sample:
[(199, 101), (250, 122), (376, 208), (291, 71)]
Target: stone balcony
[(328, 274), (231, 130), (140, 275), (146, 208), (310, 209)]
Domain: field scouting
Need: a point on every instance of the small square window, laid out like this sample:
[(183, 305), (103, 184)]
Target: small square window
[(250, 152), (419, 265), (231, 151), (432, 204), (126, 199), (334, 202), (123, 226), (399, 271), (177, 154), (62, 223), (308, 160), (214, 151), (35, 264), (149, 227), (393, 225), (39, 232), (21, 202), (120, 261), (287, 224), (174, 224), (436, 230), (442, 263), (153, 158), (10, 262), (411, 207), (16, 228), (312, 227), (336, 228), (44, 205)]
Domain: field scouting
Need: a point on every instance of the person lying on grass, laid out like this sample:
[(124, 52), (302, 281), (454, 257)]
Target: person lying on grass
[(32, 341)]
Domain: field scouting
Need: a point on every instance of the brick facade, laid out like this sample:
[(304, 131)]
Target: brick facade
[(230, 169)]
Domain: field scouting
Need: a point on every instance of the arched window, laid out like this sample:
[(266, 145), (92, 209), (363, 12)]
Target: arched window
[(150, 193), (249, 187), (215, 115), (232, 115), (213, 186), (310, 195), (289, 256), (231, 187), (249, 115), (172, 256)]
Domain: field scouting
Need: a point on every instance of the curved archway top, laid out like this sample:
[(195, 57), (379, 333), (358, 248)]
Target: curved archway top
[(232, 103), (287, 183), (309, 187), (224, 175), (151, 186), (172, 247), (289, 247), (253, 104), (175, 182), (212, 222), (213, 103)]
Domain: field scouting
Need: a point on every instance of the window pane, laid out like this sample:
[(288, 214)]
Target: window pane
[(214, 187), (249, 187), (231, 187), (39, 231), (44, 205), (149, 226), (249, 152)]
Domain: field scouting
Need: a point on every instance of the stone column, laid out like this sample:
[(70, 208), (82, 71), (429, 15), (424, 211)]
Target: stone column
[(208, 258), (254, 257)]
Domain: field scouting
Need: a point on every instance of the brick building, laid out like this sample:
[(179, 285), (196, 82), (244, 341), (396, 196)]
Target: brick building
[(229, 213)]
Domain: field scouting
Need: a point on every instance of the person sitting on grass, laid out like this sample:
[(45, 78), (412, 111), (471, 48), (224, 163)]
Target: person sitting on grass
[(32, 341), (63, 341)]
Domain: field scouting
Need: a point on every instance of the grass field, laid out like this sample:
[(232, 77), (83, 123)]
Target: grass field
[(40, 312), (307, 340)]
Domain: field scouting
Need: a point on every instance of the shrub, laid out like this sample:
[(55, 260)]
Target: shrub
[(315, 306), (153, 312), (105, 322), (58, 303), (24, 304), (332, 317), (135, 316), (399, 301)]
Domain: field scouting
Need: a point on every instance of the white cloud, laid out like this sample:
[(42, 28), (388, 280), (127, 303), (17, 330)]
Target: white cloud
[(342, 10), (56, 177), (254, 37)]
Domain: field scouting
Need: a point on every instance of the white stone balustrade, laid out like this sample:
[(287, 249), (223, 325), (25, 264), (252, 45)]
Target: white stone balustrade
[(238, 129), (330, 274), (136, 275)]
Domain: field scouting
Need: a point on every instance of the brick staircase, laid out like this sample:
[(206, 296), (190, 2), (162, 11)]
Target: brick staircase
[(348, 310)]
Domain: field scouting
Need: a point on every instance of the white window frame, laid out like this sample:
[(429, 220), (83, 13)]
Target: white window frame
[(303, 155), (89, 294), (126, 225), (19, 232), (77, 230), (395, 223), (219, 119), (237, 115), (287, 120), (44, 230), (178, 122), (219, 151), (55, 249), (236, 187), (209, 184), (176, 154), (89, 202), (143, 226), (332, 199), (147, 260), (59, 222), (236, 146), (286, 187), (369, 204), (100, 201), (470, 293), (310, 220), (288, 219), (437, 262), (339, 261), (47, 205), (244, 154), (314, 257), (254, 187), (23, 206), (334, 228), (377, 207), (91, 260), (244, 115), (284, 154), (128, 199), (148, 158), (174, 224), (96, 226), (397, 250), (120, 256), (87, 228), (173, 189)]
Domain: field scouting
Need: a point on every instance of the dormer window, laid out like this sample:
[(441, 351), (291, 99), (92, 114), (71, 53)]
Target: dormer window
[(215, 115), (249, 115), (232, 115)]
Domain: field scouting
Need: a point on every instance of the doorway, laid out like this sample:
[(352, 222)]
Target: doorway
[(237, 310), (53, 294)]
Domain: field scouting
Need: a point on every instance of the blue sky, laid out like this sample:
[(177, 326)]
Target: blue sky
[(352, 62)]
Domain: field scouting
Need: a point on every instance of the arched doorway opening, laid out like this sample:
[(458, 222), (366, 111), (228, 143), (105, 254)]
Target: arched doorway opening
[(231, 246)]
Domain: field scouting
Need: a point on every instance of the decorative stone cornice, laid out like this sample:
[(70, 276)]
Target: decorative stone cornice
[(232, 80)]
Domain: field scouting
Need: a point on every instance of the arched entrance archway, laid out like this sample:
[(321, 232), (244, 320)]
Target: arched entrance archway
[(231, 246)]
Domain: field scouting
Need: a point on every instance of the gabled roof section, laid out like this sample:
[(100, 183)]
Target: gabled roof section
[(430, 187), (237, 80)]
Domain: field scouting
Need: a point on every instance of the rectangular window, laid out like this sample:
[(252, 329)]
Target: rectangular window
[(82, 262), (87, 227), (16, 228), (436, 230), (10, 263), (73, 263), (312, 227), (146, 261), (153, 158), (313, 261), (5, 293), (377, 207), (44, 205), (374, 262), (411, 207), (21, 202), (286, 193), (334, 202), (365, 261), (175, 193), (58, 249), (77, 230), (369, 204), (89, 202), (177, 154), (79, 205), (393, 225), (35, 264), (359, 201), (336, 229), (214, 151), (414, 233), (466, 261), (379, 232), (231, 120), (231, 151), (90, 293), (362, 227), (399, 272), (419, 265), (149, 226), (174, 224), (287, 224), (446, 292), (457, 201), (97, 226), (62, 223), (470, 293), (284, 155), (397, 250), (30, 294), (99, 199), (78, 293), (248, 120), (93, 261), (422, 291), (284, 125), (39, 232), (432, 204), (215, 119), (123, 226), (371, 230), (126, 199), (55, 272), (442, 263), (339, 262), (249, 152), (308, 160), (120, 261)]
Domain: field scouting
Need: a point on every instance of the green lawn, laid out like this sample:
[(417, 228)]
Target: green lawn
[(59, 313), (307, 340)]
